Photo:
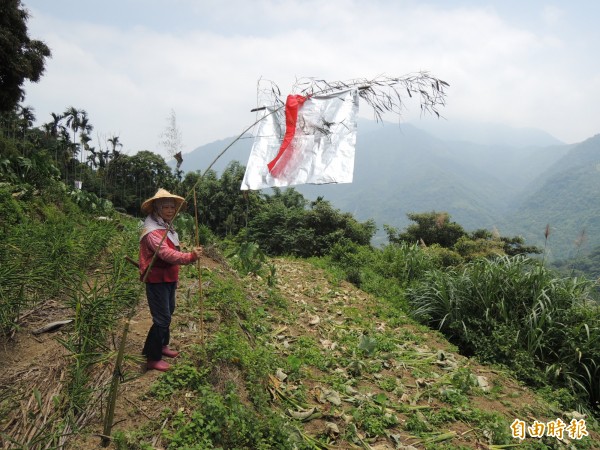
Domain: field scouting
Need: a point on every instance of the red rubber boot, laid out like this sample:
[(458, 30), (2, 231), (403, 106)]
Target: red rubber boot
[(166, 351), (158, 365)]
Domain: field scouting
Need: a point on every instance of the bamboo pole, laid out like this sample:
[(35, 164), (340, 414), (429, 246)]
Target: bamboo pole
[(114, 387), (201, 298), (193, 188), (112, 400)]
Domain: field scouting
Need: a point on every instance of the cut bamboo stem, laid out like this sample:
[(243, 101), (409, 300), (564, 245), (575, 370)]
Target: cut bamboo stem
[(114, 387), (201, 298)]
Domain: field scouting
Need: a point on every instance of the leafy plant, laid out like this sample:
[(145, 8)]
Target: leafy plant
[(373, 419), (248, 258)]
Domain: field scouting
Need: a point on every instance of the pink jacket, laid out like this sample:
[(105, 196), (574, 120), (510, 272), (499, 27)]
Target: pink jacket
[(166, 266)]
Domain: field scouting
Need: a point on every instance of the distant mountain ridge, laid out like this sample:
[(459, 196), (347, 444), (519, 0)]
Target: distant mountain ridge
[(486, 133), (401, 169), (567, 197)]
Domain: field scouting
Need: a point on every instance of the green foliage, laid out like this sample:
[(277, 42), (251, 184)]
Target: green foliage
[(130, 441), (184, 376), (228, 300), (515, 245), (228, 369), (91, 203), (430, 228), (435, 230), (248, 258), (516, 312), (31, 159), (417, 423), (284, 226), (129, 180), (471, 249), (39, 259), (12, 212), (373, 419), (367, 345), (96, 307), (444, 257), (383, 272), (222, 206), (22, 58), (23, 164), (47, 253), (403, 263), (185, 224), (223, 421), (586, 264), (307, 350)]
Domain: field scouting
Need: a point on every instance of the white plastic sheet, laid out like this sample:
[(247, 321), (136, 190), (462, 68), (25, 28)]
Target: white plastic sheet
[(321, 152)]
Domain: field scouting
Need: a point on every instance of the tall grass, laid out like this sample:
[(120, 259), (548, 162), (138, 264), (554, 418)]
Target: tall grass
[(97, 305), (382, 272), (399, 263), (78, 263), (38, 260), (514, 311)]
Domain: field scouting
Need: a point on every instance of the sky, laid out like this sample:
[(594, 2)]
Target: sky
[(129, 63)]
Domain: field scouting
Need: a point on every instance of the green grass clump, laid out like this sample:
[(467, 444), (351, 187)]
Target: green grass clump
[(514, 311), (223, 421)]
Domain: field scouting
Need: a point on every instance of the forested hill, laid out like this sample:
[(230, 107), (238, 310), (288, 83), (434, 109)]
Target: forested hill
[(400, 169), (566, 196)]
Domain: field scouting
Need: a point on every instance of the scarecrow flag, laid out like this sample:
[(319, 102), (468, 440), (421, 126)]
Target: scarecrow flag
[(313, 143)]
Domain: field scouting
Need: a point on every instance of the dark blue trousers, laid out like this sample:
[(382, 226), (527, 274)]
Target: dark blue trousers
[(161, 300)]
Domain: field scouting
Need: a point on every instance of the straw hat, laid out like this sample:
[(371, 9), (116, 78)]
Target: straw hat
[(161, 193)]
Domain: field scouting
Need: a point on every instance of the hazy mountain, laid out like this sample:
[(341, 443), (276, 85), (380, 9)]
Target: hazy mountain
[(565, 196), (401, 169), (201, 157), (486, 133)]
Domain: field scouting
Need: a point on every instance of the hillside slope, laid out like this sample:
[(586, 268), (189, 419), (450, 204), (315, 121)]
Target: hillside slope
[(317, 361)]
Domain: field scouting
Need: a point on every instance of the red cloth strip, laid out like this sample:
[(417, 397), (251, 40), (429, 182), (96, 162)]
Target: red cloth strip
[(292, 105)]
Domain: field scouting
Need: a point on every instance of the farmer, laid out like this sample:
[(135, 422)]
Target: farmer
[(161, 281)]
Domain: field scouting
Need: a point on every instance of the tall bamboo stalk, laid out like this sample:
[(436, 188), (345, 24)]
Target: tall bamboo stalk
[(112, 399), (114, 387), (201, 298)]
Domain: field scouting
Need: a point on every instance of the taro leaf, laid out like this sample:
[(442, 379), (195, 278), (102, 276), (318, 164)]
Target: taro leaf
[(331, 429), (350, 390), (329, 345), (367, 344), (482, 382), (301, 415), (356, 367), (281, 375), (333, 397)]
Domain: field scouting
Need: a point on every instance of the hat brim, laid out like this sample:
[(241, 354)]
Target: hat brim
[(147, 206)]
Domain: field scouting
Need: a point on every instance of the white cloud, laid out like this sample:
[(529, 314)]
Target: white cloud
[(551, 14), (129, 77)]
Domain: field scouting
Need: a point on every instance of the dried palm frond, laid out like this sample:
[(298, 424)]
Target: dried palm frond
[(383, 93)]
